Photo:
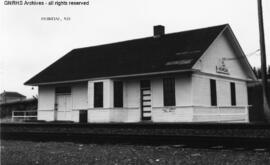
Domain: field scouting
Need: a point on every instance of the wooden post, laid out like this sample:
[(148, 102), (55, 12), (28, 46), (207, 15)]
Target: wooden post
[(12, 118), (263, 63)]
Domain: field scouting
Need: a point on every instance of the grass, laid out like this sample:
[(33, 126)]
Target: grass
[(9, 120), (27, 152)]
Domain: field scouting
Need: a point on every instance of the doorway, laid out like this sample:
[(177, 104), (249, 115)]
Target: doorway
[(145, 100), (63, 107), (83, 116)]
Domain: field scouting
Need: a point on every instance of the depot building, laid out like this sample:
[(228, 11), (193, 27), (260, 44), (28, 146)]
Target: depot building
[(198, 75)]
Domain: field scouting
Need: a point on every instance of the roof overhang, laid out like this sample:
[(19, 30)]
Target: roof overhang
[(229, 33), (116, 77)]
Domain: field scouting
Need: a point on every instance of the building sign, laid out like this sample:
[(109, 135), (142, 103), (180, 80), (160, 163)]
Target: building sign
[(221, 67), (168, 109)]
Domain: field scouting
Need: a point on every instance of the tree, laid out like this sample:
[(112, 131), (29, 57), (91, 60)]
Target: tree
[(255, 71), (259, 72), (268, 72)]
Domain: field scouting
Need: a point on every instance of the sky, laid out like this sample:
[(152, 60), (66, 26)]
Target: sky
[(28, 44)]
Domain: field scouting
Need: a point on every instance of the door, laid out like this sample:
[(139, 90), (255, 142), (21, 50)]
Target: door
[(83, 116), (145, 100), (63, 107)]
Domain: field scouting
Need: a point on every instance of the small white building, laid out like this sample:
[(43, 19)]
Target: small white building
[(192, 76)]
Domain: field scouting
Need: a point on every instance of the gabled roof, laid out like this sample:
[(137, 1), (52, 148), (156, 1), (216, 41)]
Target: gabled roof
[(174, 51), (16, 102), (11, 94)]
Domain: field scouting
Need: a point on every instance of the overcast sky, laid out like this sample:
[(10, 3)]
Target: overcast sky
[(28, 44)]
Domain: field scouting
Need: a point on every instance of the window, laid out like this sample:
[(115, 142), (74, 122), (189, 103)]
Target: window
[(169, 91), (98, 94), (63, 90), (145, 84), (118, 93), (213, 89), (233, 98)]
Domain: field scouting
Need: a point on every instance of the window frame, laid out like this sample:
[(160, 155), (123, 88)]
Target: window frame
[(63, 90), (98, 95), (233, 93), (213, 92), (169, 92), (118, 94)]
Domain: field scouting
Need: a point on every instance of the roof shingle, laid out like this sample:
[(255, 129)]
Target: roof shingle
[(11, 94), (169, 52)]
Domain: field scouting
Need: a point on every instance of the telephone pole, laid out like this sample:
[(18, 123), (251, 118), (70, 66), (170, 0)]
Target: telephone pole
[(266, 108)]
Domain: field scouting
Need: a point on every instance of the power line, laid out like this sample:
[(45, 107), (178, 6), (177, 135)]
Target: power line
[(248, 55), (253, 53)]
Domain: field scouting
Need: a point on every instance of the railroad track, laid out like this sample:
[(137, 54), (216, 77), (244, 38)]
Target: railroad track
[(199, 135)]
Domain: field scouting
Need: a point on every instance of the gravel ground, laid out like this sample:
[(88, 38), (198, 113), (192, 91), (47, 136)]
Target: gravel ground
[(27, 153), (220, 130)]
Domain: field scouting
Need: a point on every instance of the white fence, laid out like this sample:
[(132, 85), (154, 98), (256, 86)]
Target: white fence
[(25, 115)]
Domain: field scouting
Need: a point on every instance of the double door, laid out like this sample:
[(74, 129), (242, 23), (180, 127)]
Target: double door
[(63, 107)]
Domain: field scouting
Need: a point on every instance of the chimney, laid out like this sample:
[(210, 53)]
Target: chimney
[(159, 30)]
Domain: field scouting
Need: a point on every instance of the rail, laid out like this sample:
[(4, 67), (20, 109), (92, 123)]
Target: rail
[(24, 115), (195, 134)]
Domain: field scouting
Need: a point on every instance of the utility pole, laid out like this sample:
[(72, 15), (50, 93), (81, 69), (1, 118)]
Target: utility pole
[(266, 108)]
